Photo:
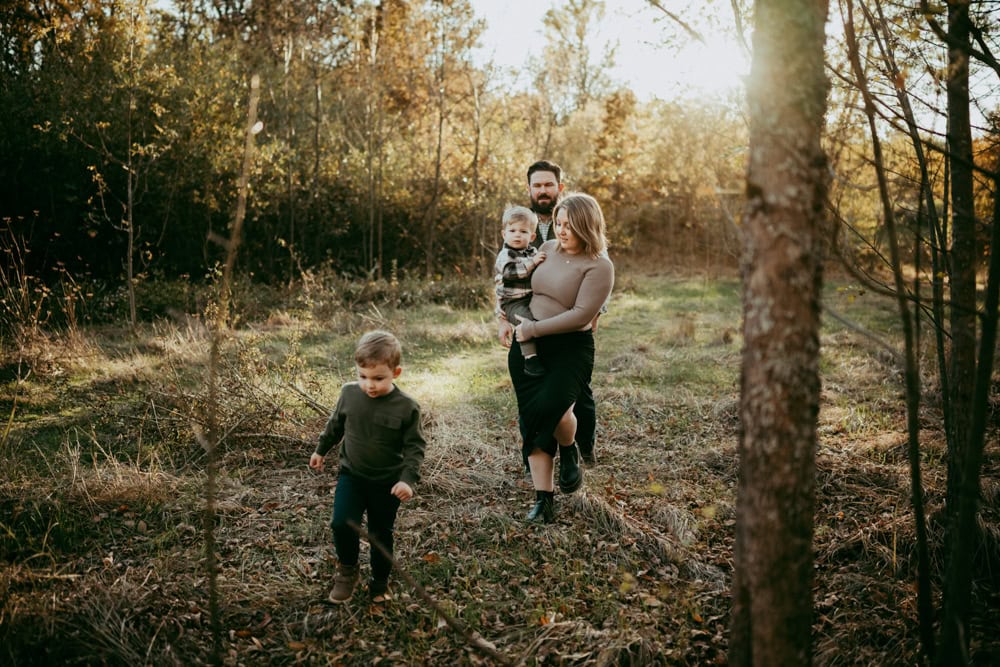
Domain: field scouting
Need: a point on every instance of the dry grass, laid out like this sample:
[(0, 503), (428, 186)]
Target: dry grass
[(101, 535)]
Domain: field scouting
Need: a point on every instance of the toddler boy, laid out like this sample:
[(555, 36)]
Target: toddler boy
[(515, 263), (383, 447)]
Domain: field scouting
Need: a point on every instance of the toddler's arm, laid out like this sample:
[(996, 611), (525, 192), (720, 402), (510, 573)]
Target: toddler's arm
[(519, 268)]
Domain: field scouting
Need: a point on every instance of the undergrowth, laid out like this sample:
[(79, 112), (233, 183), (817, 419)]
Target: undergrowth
[(100, 531)]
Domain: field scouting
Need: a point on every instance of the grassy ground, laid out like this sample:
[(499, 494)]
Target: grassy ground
[(100, 503)]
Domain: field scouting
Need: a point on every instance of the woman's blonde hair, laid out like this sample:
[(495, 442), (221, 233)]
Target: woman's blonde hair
[(586, 221)]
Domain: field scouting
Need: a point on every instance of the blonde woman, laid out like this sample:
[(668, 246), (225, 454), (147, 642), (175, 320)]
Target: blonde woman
[(568, 291)]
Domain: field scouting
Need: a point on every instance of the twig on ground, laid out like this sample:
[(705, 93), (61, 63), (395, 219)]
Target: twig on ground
[(471, 636), (894, 353)]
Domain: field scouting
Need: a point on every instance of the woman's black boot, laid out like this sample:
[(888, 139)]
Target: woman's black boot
[(570, 472), (544, 510)]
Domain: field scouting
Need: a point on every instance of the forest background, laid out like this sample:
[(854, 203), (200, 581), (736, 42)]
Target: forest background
[(373, 182)]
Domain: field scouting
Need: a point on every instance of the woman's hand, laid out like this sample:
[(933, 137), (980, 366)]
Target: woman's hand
[(316, 461)]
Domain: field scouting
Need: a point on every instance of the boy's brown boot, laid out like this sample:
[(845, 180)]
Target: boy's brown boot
[(344, 583)]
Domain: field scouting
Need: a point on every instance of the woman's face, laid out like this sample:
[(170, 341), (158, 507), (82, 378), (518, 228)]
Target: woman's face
[(568, 241)]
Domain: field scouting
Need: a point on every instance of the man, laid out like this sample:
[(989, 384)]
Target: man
[(545, 186)]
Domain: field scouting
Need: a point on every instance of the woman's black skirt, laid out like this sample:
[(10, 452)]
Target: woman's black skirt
[(541, 401)]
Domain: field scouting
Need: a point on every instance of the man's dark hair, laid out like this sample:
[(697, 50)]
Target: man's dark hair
[(545, 165)]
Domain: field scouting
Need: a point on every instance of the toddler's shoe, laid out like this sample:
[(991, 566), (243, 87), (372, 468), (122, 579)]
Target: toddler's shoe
[(344, 583), (533, 367), (378, 590)]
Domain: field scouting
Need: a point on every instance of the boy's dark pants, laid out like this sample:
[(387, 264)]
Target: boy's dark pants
[(355, 496)]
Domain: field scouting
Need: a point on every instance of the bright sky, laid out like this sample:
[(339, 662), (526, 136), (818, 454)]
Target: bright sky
[(686, 68)]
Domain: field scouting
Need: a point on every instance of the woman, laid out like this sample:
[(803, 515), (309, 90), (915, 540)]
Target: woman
[(568, 290)]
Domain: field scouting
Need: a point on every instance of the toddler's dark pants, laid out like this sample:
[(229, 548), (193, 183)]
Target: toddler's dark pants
[(355, 496)]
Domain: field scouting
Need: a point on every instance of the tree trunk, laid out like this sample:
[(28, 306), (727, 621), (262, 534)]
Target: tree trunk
[(963, 253), (909, 321), (430, 219), (962, 370), (958, 578), (477, 261), (782, 277)]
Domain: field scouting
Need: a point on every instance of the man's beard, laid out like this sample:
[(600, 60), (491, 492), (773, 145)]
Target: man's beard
[(543, 208)]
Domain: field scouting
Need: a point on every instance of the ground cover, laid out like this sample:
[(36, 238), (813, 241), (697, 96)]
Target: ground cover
[(101, 494)]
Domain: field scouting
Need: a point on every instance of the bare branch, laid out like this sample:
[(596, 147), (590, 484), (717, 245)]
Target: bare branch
[(679, 21), (472, 637), (308, 400), (740, 33)]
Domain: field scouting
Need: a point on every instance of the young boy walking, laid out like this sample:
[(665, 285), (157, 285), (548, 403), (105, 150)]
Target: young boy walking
[(383, 447)]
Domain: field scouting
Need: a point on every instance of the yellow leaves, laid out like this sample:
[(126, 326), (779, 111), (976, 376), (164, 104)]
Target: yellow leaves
[(628, 583)]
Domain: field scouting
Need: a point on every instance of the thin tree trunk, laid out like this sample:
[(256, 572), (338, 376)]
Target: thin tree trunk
[(130, 179), (289, 49), (909, 321), (370, 139), (958, 579), (379, 184), (430, 220), (211, 440), (963, 253), (477, 260), (954, 629)]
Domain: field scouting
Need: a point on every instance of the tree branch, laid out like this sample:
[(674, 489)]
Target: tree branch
[(472, 637)]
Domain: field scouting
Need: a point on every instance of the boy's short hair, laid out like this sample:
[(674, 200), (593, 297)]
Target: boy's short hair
[(378, 347), (520, 214)]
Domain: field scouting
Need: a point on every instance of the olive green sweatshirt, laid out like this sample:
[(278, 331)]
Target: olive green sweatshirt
[(383, 439)]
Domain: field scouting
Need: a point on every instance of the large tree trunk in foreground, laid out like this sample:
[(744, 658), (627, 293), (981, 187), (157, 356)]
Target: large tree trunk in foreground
[(782, 276)]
